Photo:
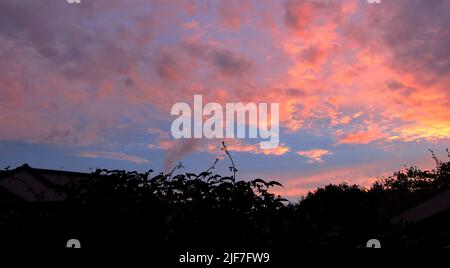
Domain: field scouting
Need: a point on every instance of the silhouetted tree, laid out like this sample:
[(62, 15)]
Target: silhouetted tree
[(174, 211)]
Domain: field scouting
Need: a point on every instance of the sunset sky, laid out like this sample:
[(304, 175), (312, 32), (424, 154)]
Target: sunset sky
[(364, 89)]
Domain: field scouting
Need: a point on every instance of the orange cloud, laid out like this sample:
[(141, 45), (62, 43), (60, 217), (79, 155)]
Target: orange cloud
[(363, 137), (331, 72)]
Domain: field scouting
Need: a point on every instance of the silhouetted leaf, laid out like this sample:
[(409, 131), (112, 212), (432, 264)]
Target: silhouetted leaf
[(273, 183)]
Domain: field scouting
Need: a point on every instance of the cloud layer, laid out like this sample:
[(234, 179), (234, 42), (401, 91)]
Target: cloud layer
[(105, 72)]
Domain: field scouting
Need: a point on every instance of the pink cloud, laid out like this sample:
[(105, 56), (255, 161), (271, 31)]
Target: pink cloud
[(314, 155), (74, 77), (191, 25), (364, 175), (373, 133)]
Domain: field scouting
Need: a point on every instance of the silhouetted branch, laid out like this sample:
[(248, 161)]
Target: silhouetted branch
[(178, 166), (434, 157), (213, 166), (233, 167)]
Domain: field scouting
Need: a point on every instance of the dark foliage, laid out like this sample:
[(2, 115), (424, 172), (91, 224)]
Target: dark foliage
[(131, 209)]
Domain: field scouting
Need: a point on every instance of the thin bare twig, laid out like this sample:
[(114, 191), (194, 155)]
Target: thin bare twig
[(233, 167), (213, 166), (434, 157)]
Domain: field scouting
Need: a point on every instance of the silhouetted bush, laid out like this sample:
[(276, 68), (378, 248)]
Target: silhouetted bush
[(130, 209)]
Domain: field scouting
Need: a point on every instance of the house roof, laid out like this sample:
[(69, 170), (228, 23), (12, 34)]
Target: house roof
[(45, 171), (32, 184), (425, 210)]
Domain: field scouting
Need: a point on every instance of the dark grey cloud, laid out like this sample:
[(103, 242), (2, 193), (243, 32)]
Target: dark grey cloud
[(168, 66), (226, 62), (70, 39), (180, 149), (416, 33), (294, 92), (230, 64), (300, 14)]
